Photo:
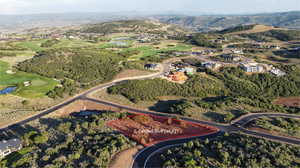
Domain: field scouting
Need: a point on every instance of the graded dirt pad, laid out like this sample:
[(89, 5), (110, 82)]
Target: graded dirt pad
[(132, 73), (149, 129), (288, 101), (81, 105)]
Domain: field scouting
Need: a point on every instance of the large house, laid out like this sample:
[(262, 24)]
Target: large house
[(231, 57), (277, 72), (151, 66), (211, 65), (9, 146), (252, 67)]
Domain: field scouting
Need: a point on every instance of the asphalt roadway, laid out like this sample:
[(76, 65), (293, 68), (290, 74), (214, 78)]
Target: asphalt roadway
[(143, 156)]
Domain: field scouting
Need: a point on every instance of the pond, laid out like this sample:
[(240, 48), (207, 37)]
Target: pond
[(8, 90)]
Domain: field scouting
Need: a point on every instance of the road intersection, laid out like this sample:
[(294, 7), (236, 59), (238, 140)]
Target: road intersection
[(143, 156)]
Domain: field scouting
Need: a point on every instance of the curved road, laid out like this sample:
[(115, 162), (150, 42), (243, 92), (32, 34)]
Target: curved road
[(147, 157), (143, 156), (164, 68), (245, 119)]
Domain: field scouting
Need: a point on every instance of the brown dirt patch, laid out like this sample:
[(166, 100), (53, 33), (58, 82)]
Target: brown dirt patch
[(149, 129), (288, 101), (125, 158), (132, 73)]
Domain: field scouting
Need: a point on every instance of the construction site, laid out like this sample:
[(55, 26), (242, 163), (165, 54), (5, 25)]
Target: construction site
[(148, 129)]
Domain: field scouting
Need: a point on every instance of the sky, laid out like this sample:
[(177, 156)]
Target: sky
[(154, 6)]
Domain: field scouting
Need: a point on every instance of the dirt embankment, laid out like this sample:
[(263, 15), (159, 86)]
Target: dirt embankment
[(132, 73), (288, 101), (125, 158)]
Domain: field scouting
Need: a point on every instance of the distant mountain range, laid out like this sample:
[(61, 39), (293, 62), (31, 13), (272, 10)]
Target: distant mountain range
[(218, 22), (13, 23)]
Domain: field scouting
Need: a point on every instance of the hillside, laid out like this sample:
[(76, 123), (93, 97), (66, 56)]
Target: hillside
[(248, 29), (13, 23), (131, 26), (219, 22)]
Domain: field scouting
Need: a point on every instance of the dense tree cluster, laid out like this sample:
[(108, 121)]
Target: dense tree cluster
[(70, 142), (205, 40), (81, 65), (119, 26), (229, 87), (196, 86), (287, 126), (232, 151), (282, 35), (265, 85), (67, 87), (50, 43), (180, 107), (288, 53), (237, 29)]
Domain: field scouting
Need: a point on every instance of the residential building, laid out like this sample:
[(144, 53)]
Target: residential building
[(27, 83), (237, 52), (252, 67), (189, 70), (231, 57), (277, 72), (9, 146), (151, 66), (211, 65)]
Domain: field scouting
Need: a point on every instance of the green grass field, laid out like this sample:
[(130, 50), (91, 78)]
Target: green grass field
[(73, 44), (36, 44), (38, 88), (31, 45)]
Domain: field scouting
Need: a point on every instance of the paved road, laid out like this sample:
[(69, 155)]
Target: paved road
[(147, 158), (236, 125), (165, 68), (243, 120), (144, 157)]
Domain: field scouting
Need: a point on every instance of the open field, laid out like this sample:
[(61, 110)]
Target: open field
[(149, 130), (13, 108), (39, 85), (31, 45)]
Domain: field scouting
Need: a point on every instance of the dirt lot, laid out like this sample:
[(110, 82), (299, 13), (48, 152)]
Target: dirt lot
[(149, 130), (132, 73), (289, 101)]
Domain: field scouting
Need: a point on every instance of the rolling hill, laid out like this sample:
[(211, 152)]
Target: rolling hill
[(219, 22), (14, 23)]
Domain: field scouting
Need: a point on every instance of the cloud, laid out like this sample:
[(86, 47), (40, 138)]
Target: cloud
[(10, 6)]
